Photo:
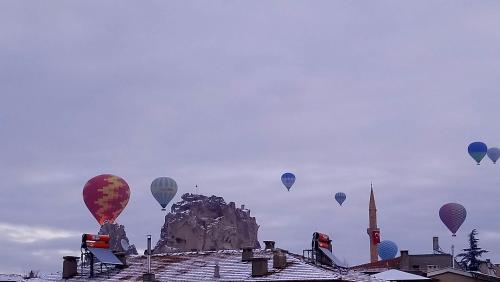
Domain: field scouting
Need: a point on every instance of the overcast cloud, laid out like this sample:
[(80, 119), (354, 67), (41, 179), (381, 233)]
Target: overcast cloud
[(228, 95)]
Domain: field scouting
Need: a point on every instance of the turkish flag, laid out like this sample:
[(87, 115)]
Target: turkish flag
[(324, 245), (376, 236)]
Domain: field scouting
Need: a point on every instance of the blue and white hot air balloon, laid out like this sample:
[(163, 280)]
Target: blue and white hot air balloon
[(493, 153), (387, 250), (164, 190), (477, 150), (340, 197), (288, 179)]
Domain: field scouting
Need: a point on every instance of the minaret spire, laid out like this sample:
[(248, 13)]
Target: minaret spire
[(373, 231)]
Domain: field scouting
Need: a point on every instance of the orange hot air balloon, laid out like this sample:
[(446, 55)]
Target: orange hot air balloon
[(106, 196)]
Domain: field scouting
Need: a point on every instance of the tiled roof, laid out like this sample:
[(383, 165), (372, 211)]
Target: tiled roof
[(199, 266), (482, 276)]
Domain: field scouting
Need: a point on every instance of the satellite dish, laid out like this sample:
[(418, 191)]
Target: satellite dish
[(124, 244)]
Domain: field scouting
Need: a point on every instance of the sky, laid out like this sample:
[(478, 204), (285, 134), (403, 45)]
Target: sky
[(228, 95)]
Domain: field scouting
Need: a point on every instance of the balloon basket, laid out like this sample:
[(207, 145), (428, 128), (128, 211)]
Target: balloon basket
[(164, 209)]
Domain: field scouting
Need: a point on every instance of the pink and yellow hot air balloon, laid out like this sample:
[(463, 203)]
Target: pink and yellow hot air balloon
[(106, 196)]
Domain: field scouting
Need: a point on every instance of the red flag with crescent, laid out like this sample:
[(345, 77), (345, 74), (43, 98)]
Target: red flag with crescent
[(376, 236)]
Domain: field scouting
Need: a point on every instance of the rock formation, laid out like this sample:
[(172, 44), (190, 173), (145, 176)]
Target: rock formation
[(206, 223), (116, 234)]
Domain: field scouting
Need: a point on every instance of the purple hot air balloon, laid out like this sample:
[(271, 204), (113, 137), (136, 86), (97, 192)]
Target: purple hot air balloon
[(453, 215)]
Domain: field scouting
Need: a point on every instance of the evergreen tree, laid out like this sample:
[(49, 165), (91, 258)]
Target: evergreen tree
[(470, 257)]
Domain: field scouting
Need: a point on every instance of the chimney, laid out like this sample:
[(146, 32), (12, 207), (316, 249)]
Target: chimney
[(70, 267), (247, 254), (242, 207), (279, 259), (149, 253), (259, 266), (435, 244), (405, 260), (217, 270), (269, 245), (148, 277)]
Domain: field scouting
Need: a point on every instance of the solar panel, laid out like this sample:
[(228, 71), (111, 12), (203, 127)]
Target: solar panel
[(105, 256), (333, 258)]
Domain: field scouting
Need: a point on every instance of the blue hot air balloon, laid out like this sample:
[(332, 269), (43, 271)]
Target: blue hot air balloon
[(493, 154), (288, 179), (163, 189), (477, 150), (340, 197), (387, 249)]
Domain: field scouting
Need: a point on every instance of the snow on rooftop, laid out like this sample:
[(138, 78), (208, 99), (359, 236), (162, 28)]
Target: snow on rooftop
[(199, 266), (397, 275)]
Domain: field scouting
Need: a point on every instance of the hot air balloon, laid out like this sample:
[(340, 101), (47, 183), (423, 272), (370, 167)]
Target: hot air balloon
[(288, 179), (387, 250), (106, 196), (477, 151), (493, 154), (453, 215), (340, 197), (163, 189)]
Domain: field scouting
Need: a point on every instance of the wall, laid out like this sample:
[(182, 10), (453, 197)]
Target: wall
[(420, 262), (452, 277)]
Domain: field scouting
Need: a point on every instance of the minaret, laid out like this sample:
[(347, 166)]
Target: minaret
[(373, 231)]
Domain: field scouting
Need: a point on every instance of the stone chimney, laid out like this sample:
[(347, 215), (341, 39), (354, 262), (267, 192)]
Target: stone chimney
[(259, 266), (247, 254), (70, 267), (269, 245), (242, 207), (405, 260), (279, 259), (435, 244)]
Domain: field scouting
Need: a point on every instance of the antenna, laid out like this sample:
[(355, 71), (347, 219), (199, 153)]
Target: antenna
[(149, 254), (452, 256)]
